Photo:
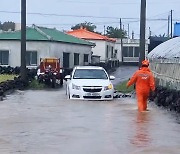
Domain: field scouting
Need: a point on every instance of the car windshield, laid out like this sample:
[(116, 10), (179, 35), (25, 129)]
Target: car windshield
[(90, 74)]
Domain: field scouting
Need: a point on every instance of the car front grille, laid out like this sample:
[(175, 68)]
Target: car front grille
[(92, 89), (92, 97)]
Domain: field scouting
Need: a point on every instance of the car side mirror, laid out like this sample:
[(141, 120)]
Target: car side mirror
[(67, 77), (111, 77)]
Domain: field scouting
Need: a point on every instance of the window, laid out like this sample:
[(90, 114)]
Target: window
[(125, 51), (131, 51), (4, 57), (31, 58), (115, 53), (76, 59), (86, 57), (136, 52), (89, 74)]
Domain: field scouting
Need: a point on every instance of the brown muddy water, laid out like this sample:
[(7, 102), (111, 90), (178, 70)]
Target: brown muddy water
[(45, 122)]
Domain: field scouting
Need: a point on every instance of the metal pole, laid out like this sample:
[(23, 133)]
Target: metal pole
[(104, 30), (171, 25), (142, 31), (149, 31), (128, 31), (168, 26), (23, 40), (120, 22)]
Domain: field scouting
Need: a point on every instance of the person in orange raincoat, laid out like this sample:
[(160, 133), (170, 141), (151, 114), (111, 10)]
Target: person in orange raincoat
[(144, 81)]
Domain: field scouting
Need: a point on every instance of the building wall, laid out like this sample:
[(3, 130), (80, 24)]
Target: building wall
[(57, 50), (129, 43), (101, 48), (14, 48), (44, 49)]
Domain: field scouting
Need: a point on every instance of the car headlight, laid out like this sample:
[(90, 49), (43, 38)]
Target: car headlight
[(75, 87), (109, 87)]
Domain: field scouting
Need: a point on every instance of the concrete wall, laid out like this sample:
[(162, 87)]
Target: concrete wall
[(100, 49), (45, 49), (167, 73), (57, 50)]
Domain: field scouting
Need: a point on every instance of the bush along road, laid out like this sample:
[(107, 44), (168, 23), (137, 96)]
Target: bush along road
[(17, 83), (167, 98)]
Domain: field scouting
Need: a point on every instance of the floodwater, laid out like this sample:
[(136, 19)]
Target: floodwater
[(46, 122)]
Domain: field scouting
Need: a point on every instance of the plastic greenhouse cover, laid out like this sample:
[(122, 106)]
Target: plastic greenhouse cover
[(167, 50)]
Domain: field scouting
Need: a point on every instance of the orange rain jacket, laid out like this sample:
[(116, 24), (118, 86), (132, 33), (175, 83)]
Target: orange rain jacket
[(144, 83)]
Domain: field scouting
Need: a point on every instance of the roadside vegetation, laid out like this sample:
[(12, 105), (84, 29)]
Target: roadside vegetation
[(34, 84), (121, 87), (5, 77)]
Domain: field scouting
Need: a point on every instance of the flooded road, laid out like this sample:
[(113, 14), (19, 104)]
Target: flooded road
[(46, 122)]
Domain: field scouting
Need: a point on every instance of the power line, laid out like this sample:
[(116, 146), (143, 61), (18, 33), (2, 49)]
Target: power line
[(113, 3), (80, 16)]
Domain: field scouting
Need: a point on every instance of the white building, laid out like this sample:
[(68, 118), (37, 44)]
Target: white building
[(105, 46), (130, 52), (44, 42)]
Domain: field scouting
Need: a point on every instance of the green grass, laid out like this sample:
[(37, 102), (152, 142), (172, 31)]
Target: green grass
[(121, 87), (36, 85), (5, 77)]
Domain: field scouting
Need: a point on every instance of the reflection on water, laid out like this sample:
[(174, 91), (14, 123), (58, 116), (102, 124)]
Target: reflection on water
[(142, 136)]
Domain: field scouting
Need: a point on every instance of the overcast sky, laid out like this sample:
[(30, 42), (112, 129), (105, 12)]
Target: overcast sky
[(65, 13)]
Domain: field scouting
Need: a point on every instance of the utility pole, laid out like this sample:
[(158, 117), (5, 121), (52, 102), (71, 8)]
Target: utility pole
[(120, 24), (128, 31), (132, 34), (171, 25), (142, 31), (104, 30), (23, 40), (168, 26), (149, 31)]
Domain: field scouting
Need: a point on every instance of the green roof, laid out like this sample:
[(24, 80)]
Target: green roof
[(44, 34)]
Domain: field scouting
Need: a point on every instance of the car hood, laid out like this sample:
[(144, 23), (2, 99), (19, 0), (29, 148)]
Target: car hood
[(91, 82)]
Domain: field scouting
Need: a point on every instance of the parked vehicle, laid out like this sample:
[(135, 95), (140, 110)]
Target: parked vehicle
[(89, 82), (50, 72)]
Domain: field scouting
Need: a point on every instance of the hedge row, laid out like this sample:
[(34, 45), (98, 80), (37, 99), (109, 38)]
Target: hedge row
[(167, 98), (17, 83), (9, 70)]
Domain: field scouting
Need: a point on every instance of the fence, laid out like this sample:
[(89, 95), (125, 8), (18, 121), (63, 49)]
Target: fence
[(167, 73)]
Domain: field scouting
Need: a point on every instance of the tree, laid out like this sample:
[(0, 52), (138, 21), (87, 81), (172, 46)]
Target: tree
[(88, 25), (7, 26), (0, 25), (115, 32)]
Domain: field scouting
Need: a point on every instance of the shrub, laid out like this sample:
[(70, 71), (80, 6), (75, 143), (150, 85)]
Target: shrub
[(121, 87)]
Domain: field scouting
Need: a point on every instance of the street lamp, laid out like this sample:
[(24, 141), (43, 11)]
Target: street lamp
[(23, 40), (142, 31)]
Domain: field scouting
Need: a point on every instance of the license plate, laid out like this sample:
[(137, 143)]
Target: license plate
[(92, 94)]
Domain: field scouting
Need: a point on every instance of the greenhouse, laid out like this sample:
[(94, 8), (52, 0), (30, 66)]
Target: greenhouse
[(165, 63), (169, 50)]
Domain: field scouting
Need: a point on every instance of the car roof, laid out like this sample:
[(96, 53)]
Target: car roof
[(89, 67)]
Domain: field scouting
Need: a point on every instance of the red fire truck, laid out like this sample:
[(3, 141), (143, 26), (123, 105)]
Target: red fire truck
[(50, 72)]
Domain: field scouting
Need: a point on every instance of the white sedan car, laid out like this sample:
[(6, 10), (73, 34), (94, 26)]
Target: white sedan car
[(89, 82)]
